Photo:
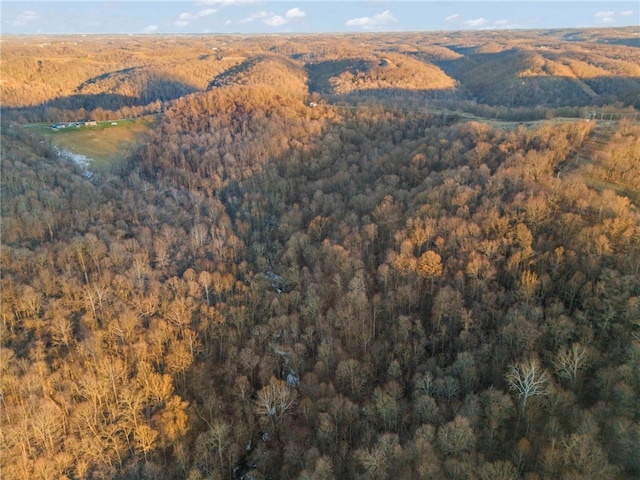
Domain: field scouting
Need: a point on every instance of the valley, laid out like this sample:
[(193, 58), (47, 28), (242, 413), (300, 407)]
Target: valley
[(357, 256)]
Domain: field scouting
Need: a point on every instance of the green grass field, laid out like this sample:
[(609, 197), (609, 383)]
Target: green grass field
[(104, 143)]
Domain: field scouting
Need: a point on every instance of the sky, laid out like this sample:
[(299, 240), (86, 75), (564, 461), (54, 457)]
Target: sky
[(304, 16)]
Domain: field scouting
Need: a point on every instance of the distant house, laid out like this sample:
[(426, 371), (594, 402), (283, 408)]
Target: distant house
[(90, 123), (114, 123), (313, 104), (57, 126)]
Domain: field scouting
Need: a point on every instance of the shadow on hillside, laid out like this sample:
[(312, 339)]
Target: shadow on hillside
[(627, 42), (155, 88), (321, 73), (106, 101), (227, 76), (106, 76), (268, 70), (147, 85), (495, 79)]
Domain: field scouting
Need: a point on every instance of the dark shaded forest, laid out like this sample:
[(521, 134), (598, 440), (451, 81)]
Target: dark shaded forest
[(266, 290)]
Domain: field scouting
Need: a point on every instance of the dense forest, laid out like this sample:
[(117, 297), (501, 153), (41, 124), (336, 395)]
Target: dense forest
[(387, 285)]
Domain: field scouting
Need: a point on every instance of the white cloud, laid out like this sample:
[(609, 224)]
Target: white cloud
[(226, 3), (206, 12), (476, 22), (500, 22), (253, 17), (24, 17), (185, 18), (452, 17), (626, 13), (294, 13), (279, 20), (275, 21), (374, 21), (605, 16), (150, 29)]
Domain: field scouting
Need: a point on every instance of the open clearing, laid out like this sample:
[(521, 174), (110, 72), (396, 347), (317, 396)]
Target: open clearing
[(104, 143)]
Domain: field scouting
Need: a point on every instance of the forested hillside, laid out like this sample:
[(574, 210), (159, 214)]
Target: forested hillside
[(66, 78), (266, 290)]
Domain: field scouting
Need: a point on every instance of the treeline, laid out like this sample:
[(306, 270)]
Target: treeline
[(320, 293), (75, 113)]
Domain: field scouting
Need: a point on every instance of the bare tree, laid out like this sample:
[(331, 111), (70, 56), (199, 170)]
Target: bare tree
[(499, 470), (145, 438), (275, 400), (204, 279), (456, 437), (527, 379), (570, 360)]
